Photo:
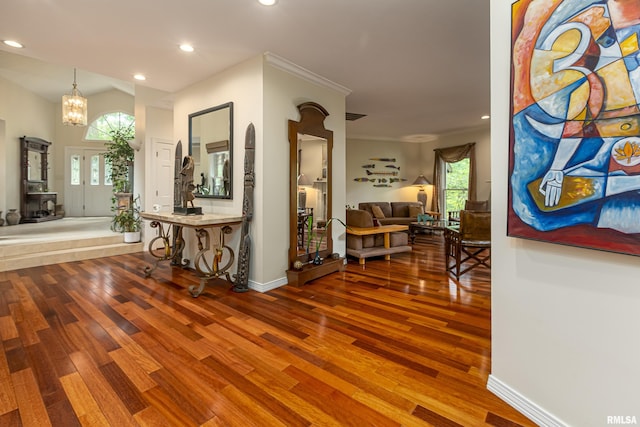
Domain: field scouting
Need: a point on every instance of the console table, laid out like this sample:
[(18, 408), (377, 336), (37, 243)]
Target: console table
[(208, 267), (37, 204)]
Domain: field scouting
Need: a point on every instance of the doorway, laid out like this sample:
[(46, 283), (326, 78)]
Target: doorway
[(87, 188)]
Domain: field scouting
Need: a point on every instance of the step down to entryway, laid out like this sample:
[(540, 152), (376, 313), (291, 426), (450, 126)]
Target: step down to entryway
[(19, 256), (66, 240)]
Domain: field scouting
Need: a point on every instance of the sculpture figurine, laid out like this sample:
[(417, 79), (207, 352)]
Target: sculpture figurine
[(187, 181), (186, 186)]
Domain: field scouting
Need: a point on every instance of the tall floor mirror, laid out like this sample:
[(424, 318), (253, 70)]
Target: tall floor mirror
[(310, 148)]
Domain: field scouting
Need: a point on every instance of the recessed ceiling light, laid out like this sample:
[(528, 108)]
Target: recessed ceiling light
[(139, 77), (13, 43), (268, 2), (186, 48), (485, 117)]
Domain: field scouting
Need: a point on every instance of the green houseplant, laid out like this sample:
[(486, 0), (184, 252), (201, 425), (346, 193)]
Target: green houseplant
[(127, 220), (119, 156)]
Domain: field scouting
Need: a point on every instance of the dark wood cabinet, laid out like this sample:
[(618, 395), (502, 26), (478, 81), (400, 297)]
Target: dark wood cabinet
[(37, 203)]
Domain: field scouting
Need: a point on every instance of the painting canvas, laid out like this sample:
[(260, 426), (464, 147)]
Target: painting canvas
[(574, 149)]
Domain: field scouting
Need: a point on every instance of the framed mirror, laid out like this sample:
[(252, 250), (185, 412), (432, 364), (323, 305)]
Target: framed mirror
[(310, 148), (211, 146), (34, 166)]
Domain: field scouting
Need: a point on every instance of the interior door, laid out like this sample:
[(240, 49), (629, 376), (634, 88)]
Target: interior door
[(163, 165), (87, 188)]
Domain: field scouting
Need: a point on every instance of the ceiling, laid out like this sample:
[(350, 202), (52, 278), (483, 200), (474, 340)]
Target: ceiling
[(416, 68)]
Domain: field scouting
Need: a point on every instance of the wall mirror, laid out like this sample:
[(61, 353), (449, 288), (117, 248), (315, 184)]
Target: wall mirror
[(34, 166), (211, 146), (310, 147)]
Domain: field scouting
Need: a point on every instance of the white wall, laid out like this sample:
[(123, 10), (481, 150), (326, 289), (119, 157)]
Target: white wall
[(565, 321)]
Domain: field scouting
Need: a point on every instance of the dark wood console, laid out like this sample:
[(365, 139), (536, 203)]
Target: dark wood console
[(37, 203), (311, 272)]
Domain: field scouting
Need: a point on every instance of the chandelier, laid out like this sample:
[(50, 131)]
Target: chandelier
[(74, 106)]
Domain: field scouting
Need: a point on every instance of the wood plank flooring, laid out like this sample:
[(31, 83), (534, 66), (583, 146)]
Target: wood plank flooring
[(95, 343)]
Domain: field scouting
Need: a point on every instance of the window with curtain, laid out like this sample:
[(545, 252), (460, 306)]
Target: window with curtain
[(456, 185), (459, 160)]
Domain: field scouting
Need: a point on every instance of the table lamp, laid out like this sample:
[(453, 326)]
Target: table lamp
[(421, 181), (303, 181)]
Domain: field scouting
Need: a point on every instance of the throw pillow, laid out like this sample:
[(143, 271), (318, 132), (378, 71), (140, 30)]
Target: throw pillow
[(414, 211), (377, 212)]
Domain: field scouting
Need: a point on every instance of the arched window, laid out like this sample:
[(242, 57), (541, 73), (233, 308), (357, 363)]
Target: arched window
[(102, 128)]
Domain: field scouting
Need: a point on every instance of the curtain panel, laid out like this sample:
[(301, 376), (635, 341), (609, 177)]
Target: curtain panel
[(452, 155)]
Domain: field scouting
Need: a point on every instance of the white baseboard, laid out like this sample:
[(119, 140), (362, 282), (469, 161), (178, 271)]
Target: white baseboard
[(265, 287), (523, 405)]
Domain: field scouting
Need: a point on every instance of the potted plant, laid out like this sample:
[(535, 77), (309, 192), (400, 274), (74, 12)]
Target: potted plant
[(127, 220), (119, 156), (316, 259)]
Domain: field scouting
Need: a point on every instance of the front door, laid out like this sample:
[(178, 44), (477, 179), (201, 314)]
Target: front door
[(87, 187)]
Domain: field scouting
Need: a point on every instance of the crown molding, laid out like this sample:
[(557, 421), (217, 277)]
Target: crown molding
[(296, 70)]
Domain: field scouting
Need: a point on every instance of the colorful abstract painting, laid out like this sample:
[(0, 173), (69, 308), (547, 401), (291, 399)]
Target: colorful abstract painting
[(574, 159)]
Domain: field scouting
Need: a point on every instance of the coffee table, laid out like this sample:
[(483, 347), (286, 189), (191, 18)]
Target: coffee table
[(428, 227), (385, 230)]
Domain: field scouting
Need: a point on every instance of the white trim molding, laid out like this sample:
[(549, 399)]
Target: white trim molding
[(266, 287), (523, 405), (291, 68)]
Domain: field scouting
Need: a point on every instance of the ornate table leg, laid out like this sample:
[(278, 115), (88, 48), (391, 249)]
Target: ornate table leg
[(166, 252), (211, 270)]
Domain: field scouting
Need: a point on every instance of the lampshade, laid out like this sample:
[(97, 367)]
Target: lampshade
[(304, 180), (422, 196), (74, 106), (421, 180)]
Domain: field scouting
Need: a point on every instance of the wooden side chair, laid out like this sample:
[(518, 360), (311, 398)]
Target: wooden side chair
[(469, 244), (470, 205), (304, 216), (477, 205)]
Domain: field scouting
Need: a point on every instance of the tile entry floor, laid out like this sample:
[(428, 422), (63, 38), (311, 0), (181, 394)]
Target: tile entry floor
[(56, 230)]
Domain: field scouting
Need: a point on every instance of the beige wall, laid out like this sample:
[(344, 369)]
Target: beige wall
[(242, 85), (267, 97), (283, 93), (44, 120), (413, 159), (39, 122), (359, 153), (565, 339), (73, 136)]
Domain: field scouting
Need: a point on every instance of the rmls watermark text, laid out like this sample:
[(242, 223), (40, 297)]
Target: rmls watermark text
[(622, 419)]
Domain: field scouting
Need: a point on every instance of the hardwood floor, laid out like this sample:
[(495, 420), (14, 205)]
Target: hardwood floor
[(391, 343)]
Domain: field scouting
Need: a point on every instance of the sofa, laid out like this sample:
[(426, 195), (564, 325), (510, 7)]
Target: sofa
[(403, 213), (363, 247)]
